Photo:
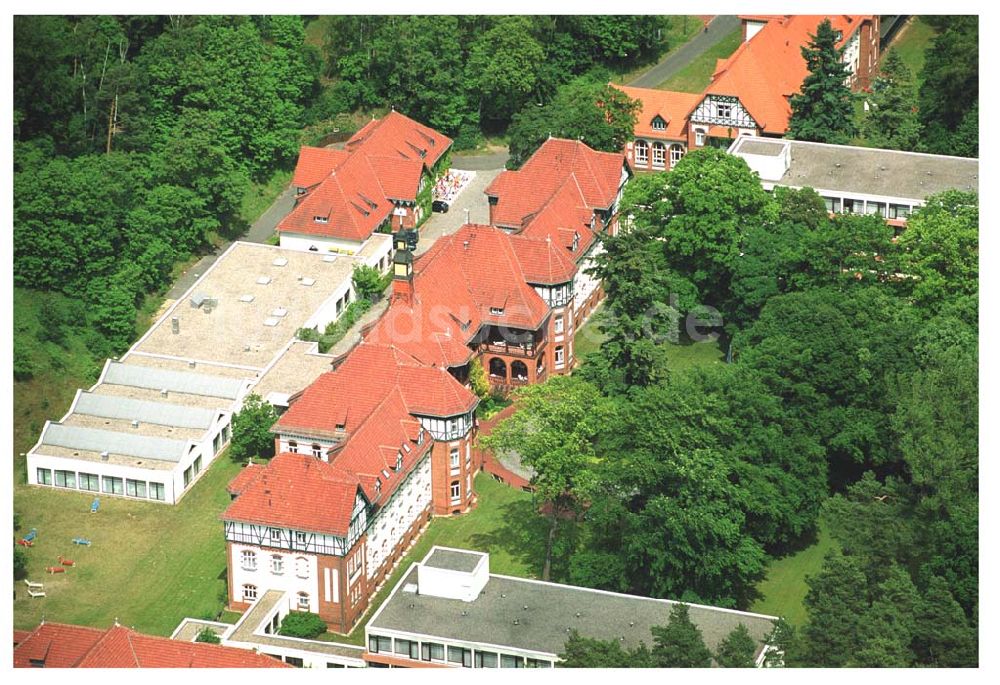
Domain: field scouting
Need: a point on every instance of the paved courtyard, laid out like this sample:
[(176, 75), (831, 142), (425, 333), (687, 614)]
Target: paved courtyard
[(472, 198)]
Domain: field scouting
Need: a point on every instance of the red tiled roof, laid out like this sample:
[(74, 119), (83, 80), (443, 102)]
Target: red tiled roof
[(766, 70), (315, 164), (247, 475), (289, 490), (563, 216), (353, 189), (58, 645), (522, 193), (69, 646), (544, 261), (672, 106), (20, 636), (396, 135)]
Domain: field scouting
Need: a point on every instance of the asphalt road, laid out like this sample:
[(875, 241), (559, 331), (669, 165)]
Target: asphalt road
[(718, 28)]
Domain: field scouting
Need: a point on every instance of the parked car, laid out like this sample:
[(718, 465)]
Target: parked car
[(439, 206)]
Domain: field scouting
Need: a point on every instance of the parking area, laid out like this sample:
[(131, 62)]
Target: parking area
[(471, 199)]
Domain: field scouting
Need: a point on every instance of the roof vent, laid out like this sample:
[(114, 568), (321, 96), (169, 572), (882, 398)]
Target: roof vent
[(308, 281), (517, 622), (246, 347), (135, 423), (279, 312), (197, 300), (464, 612), (270, 321), (163, 392), (280, 261), (192, 364), (578, 614), (263, 280), (246, 298), (175, 325), (329, 258), (104, 456), (525, 607), (631, 624)]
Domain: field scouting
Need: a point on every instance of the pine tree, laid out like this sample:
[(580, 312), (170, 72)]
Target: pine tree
[(886, 629), (679, 644), (823, 111), (835, 603), (892, 120), (943, 636), (737, 649)]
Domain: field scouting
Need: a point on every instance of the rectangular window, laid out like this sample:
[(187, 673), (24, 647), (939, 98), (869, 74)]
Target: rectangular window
[(197, 465), (539, 663), (113, 486), (875, 208), (659, 155), (453, 454), (510, 661), (187, 476), (832, 204), (66, 479), (156, 491), (558, 324), (135, 488), (641, 153), (723, 110), (456, 492), (300, 538), (275, 535), (44, 476), (432, 651), (699, 137), (380, 644), (277, 565), (895, 212), (408, 648), (458, 655), (560, 356), (486, 659), (88, 481)]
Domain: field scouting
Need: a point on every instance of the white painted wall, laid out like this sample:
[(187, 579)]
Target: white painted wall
[(440, 582), (288, 580), (584, 283), (753, 27), (391, 521)]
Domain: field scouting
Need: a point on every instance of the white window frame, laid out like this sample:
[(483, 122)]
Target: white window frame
[(560, 356), (641, 153), (659, 155), (559, 324), (658, 124), (723, 106), (249, 592), (454, 460), (277, 565), (302, 601), (676, 153), (274, 535), (248, 560), (699, 137), (456, 492)]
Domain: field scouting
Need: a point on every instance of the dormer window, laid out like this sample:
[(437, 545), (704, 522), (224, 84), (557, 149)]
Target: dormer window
[(496, 311), (576, 240), (341, 426), (321, 219), (378, 487), (659, 124), (399, 461), (420, 436)]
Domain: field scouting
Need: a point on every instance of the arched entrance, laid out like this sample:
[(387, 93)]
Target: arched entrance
[(518, 371)]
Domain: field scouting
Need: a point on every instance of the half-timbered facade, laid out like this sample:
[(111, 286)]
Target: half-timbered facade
[(366, 454)]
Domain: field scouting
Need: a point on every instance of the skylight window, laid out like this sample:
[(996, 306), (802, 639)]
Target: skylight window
[(321, 219), (496, 311)]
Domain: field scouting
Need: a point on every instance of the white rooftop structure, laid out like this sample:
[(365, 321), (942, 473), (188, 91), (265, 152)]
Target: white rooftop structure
[(157, 417)]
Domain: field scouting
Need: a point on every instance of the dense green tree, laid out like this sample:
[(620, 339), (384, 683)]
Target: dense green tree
[(892, 120), (368, 282), (503, 67), (943, 636), (45, 92), (20, 562), (950, 80), (782, 645), (585, 652), (940, 248), (554, 432), (679, 644), (886, 629), (601, 116), (823, 111), (252, 430), (835, 603), (737, 649)]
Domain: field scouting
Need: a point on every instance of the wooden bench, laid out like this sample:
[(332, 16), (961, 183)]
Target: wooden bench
[(33, 586)]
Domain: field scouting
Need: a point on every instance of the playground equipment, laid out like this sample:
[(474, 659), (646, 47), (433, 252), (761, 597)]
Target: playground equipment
[(66, 562), (30, 537), (95, 505), (55, 569), (81, 541)]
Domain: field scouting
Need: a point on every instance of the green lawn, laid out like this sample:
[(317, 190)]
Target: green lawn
[(504, 524), (149, 565), (260, 196), (912, 43), (785, 588), (698, 74), (682, 29)]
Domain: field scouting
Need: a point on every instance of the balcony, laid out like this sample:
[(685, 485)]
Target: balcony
[(527, 350)]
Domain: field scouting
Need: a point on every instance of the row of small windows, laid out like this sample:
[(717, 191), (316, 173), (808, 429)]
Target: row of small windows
[(249, 593), (435, 651), (248, 562), (642, 149), (886, 210), (108, 484)]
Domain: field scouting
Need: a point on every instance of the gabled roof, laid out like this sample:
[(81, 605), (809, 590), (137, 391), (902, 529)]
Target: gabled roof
[(247, 475), (288, 492), (68, 646), (765, 71), (564, 215), (522, 193), (672, 106), (543, 261), (353, 189), (396, 135), (315, 164)]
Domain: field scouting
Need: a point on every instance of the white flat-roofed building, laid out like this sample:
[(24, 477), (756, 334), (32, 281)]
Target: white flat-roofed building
[(858, 180), (157, 417), (449, 610)]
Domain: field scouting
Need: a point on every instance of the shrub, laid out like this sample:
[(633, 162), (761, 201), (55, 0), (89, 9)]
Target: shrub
[(207, 635), (302, 624), (20, 563)]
